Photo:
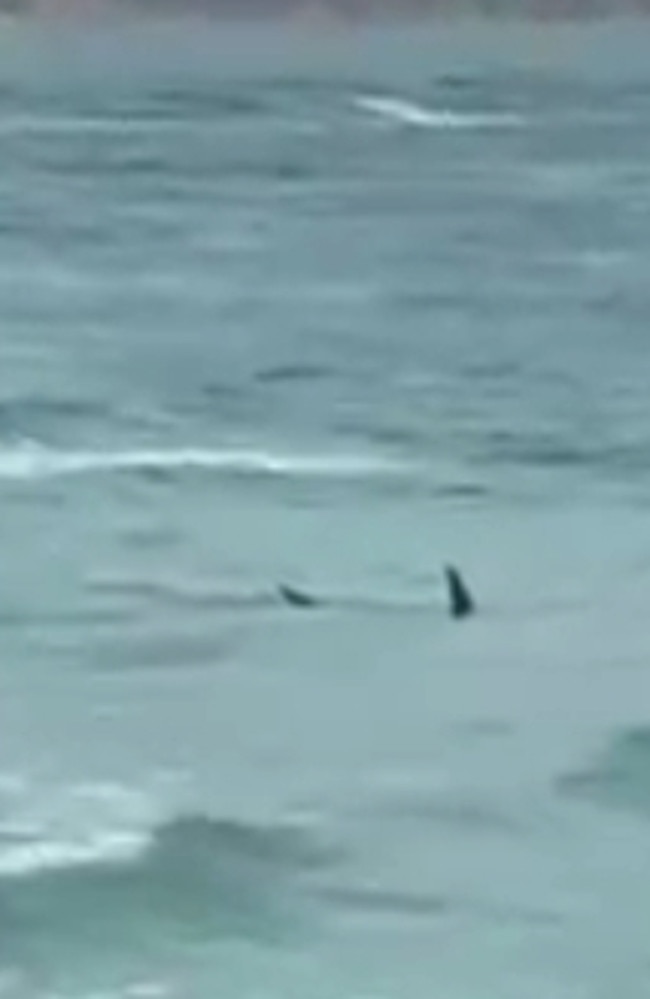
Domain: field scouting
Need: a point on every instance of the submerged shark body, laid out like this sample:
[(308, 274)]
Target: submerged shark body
[(460, 602)]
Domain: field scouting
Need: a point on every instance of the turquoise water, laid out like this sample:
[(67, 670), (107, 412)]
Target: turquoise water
[(328, 311)]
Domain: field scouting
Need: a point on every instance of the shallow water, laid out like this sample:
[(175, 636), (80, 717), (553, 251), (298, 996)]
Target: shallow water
[(331, 312)]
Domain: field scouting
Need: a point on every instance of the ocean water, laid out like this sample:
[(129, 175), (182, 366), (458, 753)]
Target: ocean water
[(281, 306)]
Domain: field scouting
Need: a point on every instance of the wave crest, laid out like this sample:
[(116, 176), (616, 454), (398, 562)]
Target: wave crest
[(35, 462), (404, 112), (193, 841)]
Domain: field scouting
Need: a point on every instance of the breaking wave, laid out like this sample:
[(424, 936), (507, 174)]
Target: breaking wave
[(186, 883), (404, 112), (34, 462), (195, 840)]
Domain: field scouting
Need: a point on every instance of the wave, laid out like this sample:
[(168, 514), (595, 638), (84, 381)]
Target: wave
[(294, 373), (405, 112), (186, 841), (23, 856), (375, 901), (35, 462), (620, 778), (557, 449), (119, 124), (177, 594), (47, 124), (187, 883), (20, 407)]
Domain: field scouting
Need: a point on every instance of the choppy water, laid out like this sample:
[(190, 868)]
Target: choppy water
[(330, 312)]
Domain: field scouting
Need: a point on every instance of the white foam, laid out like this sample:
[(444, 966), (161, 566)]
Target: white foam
[(30, 858), (405, 112), (56, 828), (34, 462)]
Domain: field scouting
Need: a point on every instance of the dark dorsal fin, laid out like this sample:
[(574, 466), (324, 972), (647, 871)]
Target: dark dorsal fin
[(461, 603), (297, 598)]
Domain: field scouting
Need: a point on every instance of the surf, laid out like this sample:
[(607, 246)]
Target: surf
[(404, 112), (35, 462)]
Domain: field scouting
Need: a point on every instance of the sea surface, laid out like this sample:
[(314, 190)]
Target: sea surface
[(328, 309)]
